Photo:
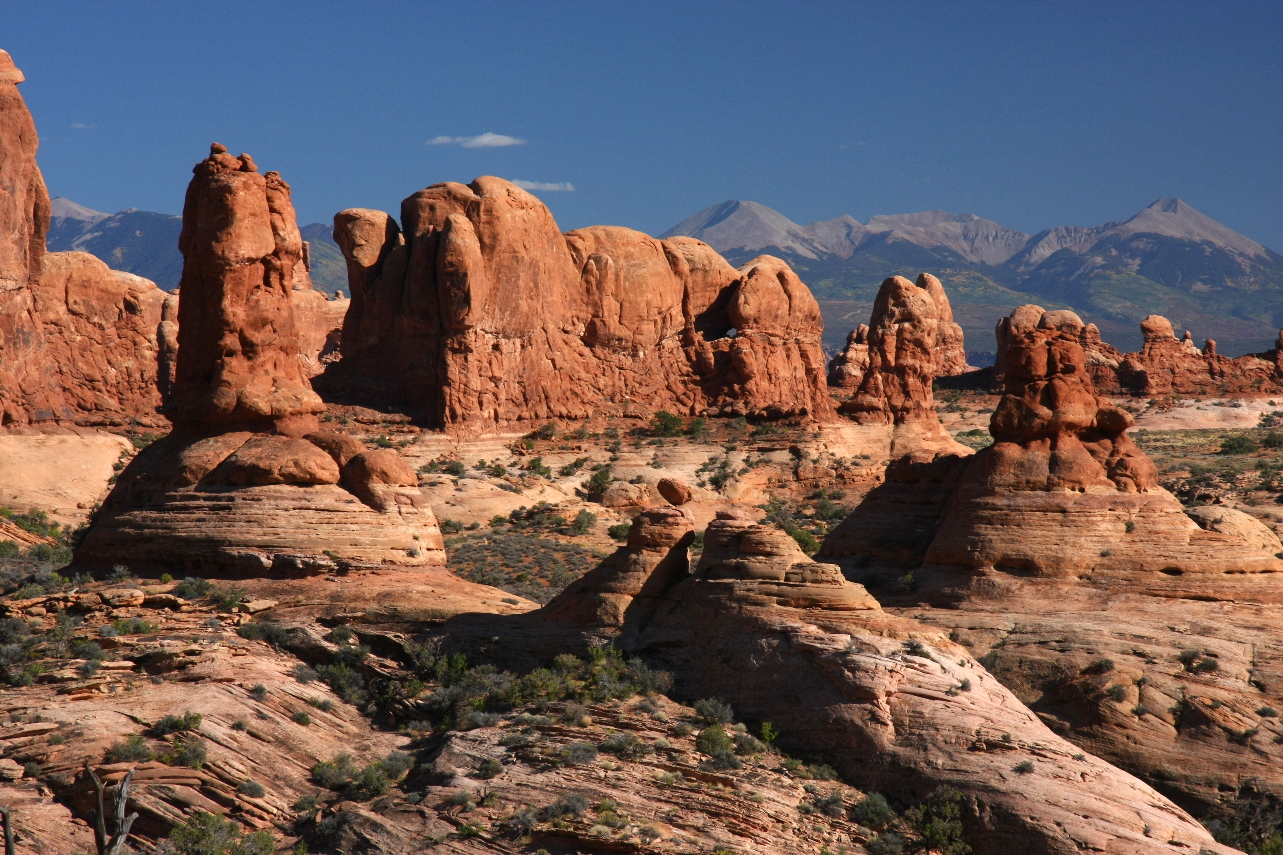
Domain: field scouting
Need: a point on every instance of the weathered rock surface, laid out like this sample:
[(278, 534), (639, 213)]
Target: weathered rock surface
[(894, 706), (911, 339), (1062, 491), (236, 489), (78, 342), (481, 312)]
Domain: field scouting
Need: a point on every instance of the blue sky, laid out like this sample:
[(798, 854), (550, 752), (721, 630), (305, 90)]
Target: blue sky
[(1033, 114)]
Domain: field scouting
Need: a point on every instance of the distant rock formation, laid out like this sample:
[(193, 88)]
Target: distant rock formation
[(889, 366), (246, 484), (1062, 491), (1167, 365), (480, 312), (78, 342)]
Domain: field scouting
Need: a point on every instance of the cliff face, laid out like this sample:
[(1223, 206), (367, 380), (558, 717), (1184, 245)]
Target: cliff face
[(78, 342), (481, 312), (246, 485)]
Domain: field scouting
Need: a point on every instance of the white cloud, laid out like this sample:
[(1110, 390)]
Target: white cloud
[(80, 126), (544, 185), (486, 140)]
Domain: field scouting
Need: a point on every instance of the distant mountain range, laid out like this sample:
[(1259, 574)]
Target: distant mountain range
[(1169, 259), (146, 243)]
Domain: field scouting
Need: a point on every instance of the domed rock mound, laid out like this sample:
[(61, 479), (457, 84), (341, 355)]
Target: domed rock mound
[(1062, 491), (481, 312), (246, 484)]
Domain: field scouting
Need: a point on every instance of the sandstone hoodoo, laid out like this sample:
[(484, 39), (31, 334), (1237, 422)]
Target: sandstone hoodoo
[(889, 366), (477, 311), (246, 484), (1062, 491)]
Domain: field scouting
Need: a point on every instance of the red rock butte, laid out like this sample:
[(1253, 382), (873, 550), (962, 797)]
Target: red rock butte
[(477, 311), (1062, 491), (246, 484)]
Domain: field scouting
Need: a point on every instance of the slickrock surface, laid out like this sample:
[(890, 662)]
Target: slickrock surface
[(64, 473), (1062, 491), (893, 706), (246, 484), (889, 367), (478, 311), (78, 342)]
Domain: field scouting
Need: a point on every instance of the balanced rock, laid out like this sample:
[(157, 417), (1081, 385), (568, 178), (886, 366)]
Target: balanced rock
[(911, 340), (674, 491), (481, 312), (246, 484), (1062, 491)]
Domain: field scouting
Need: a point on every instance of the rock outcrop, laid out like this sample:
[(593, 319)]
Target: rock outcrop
[(1062, 491), (480, 312), (883, 699), (911, 340), (246, 484), (78, 342)]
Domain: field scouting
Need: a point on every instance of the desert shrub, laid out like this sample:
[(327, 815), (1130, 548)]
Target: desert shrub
[(188, 721), (713, 711), (258, 692), (595, 486), (722, 760), (619, 532), (188, 750), (342, 774), (302, 718), (226, 599), (664, 423), (521, 823), (889, 843), (208, 834), (748, 744), (938, 822), (873, 811), (627, 746), (713, 739), (830, 805), (322, 704), (132, 626), (579, 754), (264, 630), (253, 789), (571, 804), (488, 768), (1116, 693), (132, 749), (347, 683), (193, 588), (1024, 767), (1100, 666), (1239, 443)]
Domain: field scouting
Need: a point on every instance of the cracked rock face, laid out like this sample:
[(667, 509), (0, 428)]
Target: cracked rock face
[(246, 485), (478, 311)]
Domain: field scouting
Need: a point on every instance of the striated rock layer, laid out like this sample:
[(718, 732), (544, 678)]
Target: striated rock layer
[(889, 366), (478, 311), (1062, 491), (78, 342), (246, 484), (894, 706)]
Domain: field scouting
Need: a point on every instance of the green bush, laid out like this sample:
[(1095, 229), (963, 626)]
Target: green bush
[(207, 834), (619, 532), (583, 523), (1239, 444), (873, 811), (713, 739), (188, 721), (193, 588), (188, 750), (132, 749), (665, 423), (253, 789)]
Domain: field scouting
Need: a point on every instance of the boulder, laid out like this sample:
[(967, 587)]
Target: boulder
[(674, 491)]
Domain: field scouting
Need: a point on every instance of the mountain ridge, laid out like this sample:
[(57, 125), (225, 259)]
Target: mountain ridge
[(1168, 258)]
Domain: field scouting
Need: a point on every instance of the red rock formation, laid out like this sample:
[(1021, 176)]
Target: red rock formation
[(484, 313), (28, 392), (1062, 491), (236, 489), (911, 340), (847, 369), (78, 342)]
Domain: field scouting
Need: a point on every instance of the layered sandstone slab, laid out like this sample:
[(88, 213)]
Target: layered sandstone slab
[(1062, 491), (246, 485), (478, 311), (894, 706)]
